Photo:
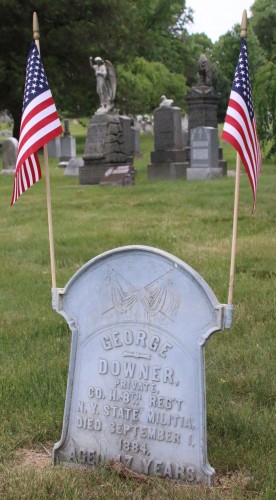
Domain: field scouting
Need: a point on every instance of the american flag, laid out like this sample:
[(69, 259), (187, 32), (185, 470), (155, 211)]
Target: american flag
[(39, 124), (240, 124)]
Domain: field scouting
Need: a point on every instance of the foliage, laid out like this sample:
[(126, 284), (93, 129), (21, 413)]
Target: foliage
[(192, 46), (225, 56), (265, 107), (150, 80), (119, 31), (264, 25), (263, 77)]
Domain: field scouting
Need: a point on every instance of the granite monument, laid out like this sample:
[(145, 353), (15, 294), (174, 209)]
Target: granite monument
[(109, 134), (202, 103), (168, 160), (204, 161)]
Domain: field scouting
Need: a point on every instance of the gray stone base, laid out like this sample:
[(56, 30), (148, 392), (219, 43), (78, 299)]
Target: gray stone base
[(194, 174), (7, 171), (73, 167), (223, 165), (119, 176), (63, 163), (92, 173), (168, 156), (67, 147), (167, 170)]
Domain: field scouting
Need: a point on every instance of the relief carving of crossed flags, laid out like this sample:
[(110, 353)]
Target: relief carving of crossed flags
[(160, 296)]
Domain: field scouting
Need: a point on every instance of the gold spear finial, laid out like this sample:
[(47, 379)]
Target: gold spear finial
[(243, 33), (36, 34)]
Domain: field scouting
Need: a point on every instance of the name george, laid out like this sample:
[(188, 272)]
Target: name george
[(139, 338)]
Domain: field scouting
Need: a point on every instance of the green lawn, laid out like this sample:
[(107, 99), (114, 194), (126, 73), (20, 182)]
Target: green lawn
[(192, 220)]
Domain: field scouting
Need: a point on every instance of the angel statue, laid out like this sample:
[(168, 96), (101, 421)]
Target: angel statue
[(106, 83)]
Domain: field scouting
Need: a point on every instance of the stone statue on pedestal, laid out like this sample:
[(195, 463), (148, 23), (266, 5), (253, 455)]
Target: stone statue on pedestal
[(106, 83), (205, 154), (108, 139), (204, 71)]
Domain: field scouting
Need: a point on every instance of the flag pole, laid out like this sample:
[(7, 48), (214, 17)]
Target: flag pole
[(243, 34), (235, 230), (36, 37)]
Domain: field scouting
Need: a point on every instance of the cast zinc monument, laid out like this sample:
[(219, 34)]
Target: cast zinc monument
[(136, 386)]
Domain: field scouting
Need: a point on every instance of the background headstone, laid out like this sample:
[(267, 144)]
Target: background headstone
[(73, 166), (54, 149), (204, 161), (136, 384), (168, 160), (67, 144), (135, 141), (9, 154), (127, 138), (66, 130), (105, 147)]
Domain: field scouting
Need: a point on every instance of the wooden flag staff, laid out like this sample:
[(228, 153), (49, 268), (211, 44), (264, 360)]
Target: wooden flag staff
[(36, 37), (243, 34)]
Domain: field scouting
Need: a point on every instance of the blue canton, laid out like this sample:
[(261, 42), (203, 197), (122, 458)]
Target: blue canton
[(241, 83), (36, 82)]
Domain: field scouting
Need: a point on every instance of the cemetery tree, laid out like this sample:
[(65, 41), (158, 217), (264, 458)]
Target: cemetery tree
[(193, 46), (263, 23), (224, 58), (142, 83), (155, 30), (70, 36), (61, 47), (265, 107)]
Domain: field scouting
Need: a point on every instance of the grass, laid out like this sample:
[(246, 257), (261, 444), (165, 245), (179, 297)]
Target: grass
[(192, 220)]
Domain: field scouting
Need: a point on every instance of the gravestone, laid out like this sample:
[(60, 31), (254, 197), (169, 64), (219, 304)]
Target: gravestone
[(204, 163), (73, 166), (168, 160), (135, 141), (202, 105), (67, 144), (105, 147), (9, 154), (136, 386), (126, 131), (54, 148)]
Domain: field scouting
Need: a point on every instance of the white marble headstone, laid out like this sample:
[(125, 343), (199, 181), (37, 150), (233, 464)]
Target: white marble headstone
[(10, 147), (136, 387)]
